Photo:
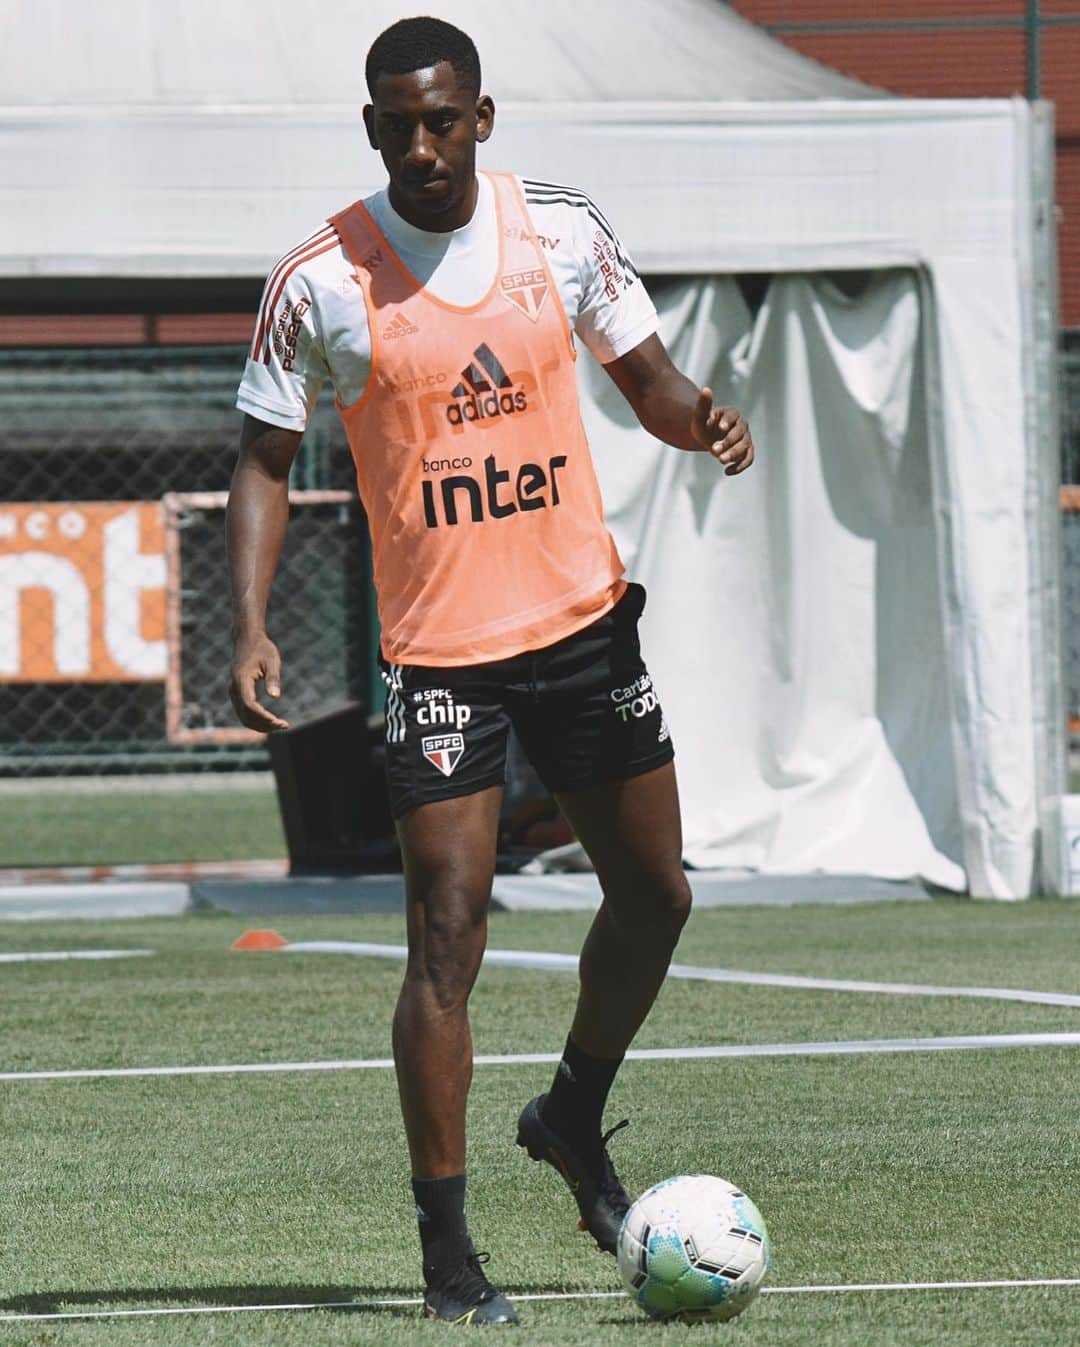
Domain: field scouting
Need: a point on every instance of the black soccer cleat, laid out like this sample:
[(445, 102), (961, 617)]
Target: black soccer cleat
[(465, 1296), (601, 1198)]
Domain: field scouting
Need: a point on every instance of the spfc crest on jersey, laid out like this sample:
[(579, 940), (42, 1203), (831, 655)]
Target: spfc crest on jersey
[(443, 751), (526, 290)]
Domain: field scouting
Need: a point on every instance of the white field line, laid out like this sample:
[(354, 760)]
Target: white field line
[(523, 958), (855, 1047), (540, 1295), (48, 956)]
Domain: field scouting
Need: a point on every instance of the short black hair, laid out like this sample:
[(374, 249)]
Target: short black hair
[(417, 44)]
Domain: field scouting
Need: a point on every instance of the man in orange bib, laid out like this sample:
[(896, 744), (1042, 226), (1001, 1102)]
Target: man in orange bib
[(444, 310)]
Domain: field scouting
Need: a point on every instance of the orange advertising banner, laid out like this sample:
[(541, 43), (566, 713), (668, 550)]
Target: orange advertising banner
[(82, 592)]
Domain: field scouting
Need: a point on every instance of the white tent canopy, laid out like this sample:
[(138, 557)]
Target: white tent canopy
[(280, 53), (857, 643)]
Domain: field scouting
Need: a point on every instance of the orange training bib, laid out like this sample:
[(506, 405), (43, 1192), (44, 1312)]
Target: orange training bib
[(487, 525)]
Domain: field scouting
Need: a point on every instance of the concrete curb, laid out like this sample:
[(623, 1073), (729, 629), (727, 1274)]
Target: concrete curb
[(359, 895), (65, 902)]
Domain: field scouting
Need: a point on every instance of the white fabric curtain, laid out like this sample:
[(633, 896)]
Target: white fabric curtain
[(794, 626)]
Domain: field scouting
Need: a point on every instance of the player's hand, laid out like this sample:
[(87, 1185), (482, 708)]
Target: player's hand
[(256, 659), (723, 432)]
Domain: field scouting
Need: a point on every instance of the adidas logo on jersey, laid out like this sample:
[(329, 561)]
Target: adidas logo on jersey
[(399, 326), (485, 390)]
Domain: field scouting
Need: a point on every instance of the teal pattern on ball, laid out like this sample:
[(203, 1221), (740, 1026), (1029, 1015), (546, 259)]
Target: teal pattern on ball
[(721, 1289), (658, 1299), (698, 1290), (748, 1216), (667, 1260)]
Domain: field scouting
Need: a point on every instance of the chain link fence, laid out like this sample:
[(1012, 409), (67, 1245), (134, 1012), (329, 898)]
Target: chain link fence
[(115, 623), (321, 613)]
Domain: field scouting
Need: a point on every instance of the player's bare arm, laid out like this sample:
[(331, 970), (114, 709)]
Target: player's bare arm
[(256, 519), (672, 407)]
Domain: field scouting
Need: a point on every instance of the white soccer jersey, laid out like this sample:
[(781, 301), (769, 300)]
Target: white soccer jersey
[(310, 327)]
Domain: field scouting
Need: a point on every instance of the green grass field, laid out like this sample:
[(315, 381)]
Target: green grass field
[(140, 820), (266, 1188)]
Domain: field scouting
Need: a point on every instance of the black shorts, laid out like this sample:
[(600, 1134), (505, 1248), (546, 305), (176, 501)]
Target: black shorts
[(584, 709)]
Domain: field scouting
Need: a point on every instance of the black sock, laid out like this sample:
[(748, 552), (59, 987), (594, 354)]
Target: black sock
[(444, 1236), (575, 1104)]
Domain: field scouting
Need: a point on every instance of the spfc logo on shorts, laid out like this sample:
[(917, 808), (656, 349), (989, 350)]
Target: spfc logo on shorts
[(526, 290), (443, 751)]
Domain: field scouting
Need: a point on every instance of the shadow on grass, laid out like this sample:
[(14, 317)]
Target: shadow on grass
[(342, 1299), (173, 1297)]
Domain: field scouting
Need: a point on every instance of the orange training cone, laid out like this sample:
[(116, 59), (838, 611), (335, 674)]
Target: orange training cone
[(260, 940)]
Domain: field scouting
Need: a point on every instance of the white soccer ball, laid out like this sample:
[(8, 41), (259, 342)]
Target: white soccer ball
[(693, 1248)]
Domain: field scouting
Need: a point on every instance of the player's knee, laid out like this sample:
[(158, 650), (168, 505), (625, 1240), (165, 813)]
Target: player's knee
[(675, 902), (662, 905), (446, 958)]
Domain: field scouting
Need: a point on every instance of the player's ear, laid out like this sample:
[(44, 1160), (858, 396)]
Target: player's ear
[(369, 126), (485, 118)]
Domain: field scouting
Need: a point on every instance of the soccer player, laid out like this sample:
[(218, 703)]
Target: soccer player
[(445, 310)]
